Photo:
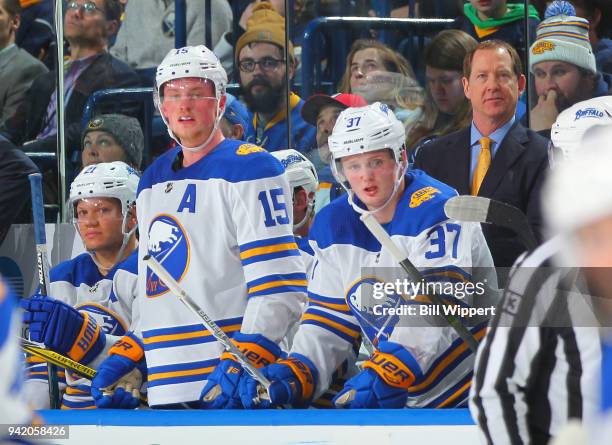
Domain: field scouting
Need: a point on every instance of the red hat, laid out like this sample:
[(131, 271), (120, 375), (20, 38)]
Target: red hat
[(313, 105)]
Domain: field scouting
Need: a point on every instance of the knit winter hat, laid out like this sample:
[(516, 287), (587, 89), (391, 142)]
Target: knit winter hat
[(125, 129), (264, 25), (563, 36)]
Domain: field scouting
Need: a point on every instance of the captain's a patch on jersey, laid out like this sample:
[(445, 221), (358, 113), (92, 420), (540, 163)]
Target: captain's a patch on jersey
[(247, 149), (422, 195)]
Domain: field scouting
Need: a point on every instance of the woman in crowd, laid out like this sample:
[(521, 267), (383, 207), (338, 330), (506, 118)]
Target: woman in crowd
[(446, 107), (379, 74)]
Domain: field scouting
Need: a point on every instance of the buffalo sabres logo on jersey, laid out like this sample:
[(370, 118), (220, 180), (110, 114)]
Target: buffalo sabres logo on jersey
[(110, 322), (362, 298), (169, 245)]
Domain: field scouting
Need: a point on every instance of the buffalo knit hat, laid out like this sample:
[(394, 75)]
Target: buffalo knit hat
[(265, 25), (563, 36)]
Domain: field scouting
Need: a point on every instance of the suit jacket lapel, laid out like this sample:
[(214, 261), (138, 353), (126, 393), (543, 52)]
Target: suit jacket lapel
[(458, 161), (510, 150)]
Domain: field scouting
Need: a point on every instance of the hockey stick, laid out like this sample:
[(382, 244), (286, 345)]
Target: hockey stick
[(57, 359), (42, 263), (214, 329), (413, 273), (485, 210)]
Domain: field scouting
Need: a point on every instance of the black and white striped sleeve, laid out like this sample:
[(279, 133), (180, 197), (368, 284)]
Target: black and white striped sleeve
[(529, 372)]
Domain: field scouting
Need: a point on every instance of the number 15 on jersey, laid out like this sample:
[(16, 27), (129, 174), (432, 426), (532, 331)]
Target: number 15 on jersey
[(274, 207)]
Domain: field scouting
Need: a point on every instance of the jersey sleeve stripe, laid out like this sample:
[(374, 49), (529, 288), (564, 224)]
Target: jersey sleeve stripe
[(448, 361), (246, 247), (180, 373), (245, 255), (342, 328), (271, 256), (186, 335), (330, 303), (188, 328), (451, 273), (69, 404), (454, 395), (277, 283)]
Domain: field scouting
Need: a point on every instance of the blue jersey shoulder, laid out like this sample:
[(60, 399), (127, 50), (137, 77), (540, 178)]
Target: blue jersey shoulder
[(420, 208), (304, 245), (231, 160), (130, 264), (78, 270)]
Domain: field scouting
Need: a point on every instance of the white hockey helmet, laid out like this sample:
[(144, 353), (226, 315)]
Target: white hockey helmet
[(364, 129), (106, 180), (579, 191), (300, 171), (191, 61), (568, 130)]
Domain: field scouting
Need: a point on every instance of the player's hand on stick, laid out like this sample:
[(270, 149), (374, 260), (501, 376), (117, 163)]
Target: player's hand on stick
[(384, 381), (292, 382), (221, 390), (120, 376), (62, 328)]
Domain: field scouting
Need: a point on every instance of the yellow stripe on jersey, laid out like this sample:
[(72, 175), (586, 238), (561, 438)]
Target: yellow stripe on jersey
[(456, 394), (166, 375), (272, 284), (267, 249), (350, 332), (338, 307), (187, 335), (444, 363)]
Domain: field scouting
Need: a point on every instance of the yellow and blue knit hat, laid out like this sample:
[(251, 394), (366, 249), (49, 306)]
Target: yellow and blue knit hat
[(562, 36)]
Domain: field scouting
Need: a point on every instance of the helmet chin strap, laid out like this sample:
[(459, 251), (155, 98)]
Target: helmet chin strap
[(309, 211), (124, 243), (401, 169), (201, 146)]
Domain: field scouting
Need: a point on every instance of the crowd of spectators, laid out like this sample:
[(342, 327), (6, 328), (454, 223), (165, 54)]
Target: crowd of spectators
[(118, 43), (477, 103)]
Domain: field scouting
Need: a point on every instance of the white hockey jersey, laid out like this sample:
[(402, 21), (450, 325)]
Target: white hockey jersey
[(107, 298), (222, 228), (306, 252), (13, 406), (350, 261)]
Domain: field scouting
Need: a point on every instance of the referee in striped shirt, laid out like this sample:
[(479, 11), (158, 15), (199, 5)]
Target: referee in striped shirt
[(540, 362)]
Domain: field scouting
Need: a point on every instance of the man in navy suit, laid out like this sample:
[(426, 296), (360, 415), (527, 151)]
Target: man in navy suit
[(496, 157)]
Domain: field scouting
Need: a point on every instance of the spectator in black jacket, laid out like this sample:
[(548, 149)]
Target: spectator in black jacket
[(87, 28), (15, 205)]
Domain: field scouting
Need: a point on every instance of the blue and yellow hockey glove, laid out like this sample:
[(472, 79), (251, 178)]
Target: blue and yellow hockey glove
[(62, 328), (384, 381), (292, 382), (120, 376), (221, 390)]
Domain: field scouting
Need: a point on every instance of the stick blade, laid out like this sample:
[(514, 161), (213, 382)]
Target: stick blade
[(467, 208)]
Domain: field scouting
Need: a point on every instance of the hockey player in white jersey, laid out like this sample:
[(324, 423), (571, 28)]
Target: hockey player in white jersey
[(303, 181), (414, 364), (215, 213), (533, 374), (91, 295)]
